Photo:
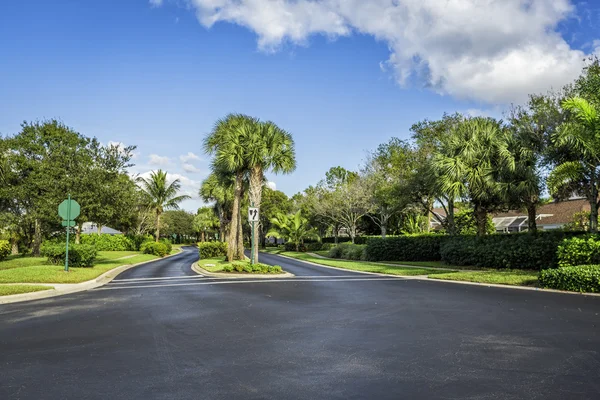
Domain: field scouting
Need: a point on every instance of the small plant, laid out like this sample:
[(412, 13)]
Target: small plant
[(227, 268), (276, 269), (167, 244), (247, 268), (212, 249), (157, 249), (239, 266), (5, 249), (256, 269)]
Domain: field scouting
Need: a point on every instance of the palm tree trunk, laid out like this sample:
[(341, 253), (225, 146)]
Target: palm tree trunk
[(450, 217), (240, 238), (255, 195), (593, 206), (531, 217), (481, 220), (157, 226), (234, 228)]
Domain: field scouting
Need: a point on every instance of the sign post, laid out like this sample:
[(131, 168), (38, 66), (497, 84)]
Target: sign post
[(68, 210), (253, 219)]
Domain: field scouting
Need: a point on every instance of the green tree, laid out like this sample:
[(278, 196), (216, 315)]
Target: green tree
[(217, 188), (273, 202), (471, 162), (579, 173), (160, 195), (205, 222), (293, 228), (178, 225)]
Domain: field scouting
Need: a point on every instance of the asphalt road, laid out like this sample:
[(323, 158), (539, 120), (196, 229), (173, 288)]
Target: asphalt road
[(161, 332)]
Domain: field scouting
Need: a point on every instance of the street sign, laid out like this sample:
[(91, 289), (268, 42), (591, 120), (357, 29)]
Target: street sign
[(252, 214), (65, 213), (68, 223)]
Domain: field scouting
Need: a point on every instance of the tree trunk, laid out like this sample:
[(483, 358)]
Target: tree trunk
[(157, 226), (255, 196), (99, 231), (335, 234), (383, 229), (14, 245), (78, 233), (450, 217), (203, 240), (594, 206), (37, 238), (481, 219), (234, 228), (240, 237), (531, 217)]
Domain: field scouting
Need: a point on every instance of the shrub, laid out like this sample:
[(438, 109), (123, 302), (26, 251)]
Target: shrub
[(405, 248), (137, 240), (247, 268), (327, 246), (5, 249), (276, 269), (80, 255), (513, 251), (106, 242), (212, 249), (582, 250), (289, 246), (239, 266), (583, 278), (314, 246), (227, 268), (157, 249), (348, 251), (168, 245)]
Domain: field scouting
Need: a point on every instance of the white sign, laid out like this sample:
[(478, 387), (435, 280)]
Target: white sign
[(252, 214)]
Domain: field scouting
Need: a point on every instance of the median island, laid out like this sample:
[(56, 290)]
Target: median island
[(213, 262)]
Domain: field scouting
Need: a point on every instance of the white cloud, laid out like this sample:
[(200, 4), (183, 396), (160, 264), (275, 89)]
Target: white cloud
[(155, 159), (186, 158), (156, 3), (271, 185), (121, 146), (190, 168), (487, 50)]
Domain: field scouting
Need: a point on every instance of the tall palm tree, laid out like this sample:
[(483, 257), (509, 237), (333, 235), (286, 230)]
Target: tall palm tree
[(218, 189), (470, 163), (580, 172), (160, 195), (294, 228)]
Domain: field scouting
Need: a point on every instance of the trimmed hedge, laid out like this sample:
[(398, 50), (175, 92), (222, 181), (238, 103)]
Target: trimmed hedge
[(513, 251), (348, 251), (583, 278), (80, 255), (405, 248), (258, 268), (582, 250), (212, 249), (5, 249), (106, 242), (154, 248), (289, 246)]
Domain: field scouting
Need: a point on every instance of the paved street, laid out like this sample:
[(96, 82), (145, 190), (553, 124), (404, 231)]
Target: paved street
[(160, 331)]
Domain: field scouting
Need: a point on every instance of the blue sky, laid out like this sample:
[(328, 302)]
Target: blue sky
[(341, 76)]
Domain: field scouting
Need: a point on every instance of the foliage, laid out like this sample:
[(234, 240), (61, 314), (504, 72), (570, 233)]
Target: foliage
[(5, 249), (80, 255), (513, 251), (405, 248), (178, 225), (108, 242), (314, 246), (227, 268), (348, 251), (167, 244), (583, 250), (160, 195), (582, 278), (206, 222), (466, 224), (293, 228), (212, 249), (138, 240), (291, 246), (155, 248)]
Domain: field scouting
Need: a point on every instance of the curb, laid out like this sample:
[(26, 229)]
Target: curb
[(69, 288), (201, 271), (426, 278)]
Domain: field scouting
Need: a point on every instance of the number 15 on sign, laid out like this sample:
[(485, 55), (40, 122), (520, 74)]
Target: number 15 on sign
[(252, 214)]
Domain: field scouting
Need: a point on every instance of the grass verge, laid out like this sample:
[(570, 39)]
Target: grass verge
[(7, 290), (37, 270), (219, 265), (501, 277)]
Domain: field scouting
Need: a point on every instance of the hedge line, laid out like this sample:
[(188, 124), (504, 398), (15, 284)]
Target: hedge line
[(583, 278), (514, 251)]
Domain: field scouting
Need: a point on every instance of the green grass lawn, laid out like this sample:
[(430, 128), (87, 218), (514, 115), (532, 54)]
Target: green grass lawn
[(37, 270), (7, 290), (363, 266), (501, 277), (213, 264)]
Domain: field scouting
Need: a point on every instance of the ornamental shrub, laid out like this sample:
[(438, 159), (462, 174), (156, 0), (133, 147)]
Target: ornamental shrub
[(158, 249), (582, 250), (247, 268), (275, 269), (424, 247), (289, 246), (314, 246), (582, 278), (167, 244), (137, 240), (238, 266), (227, 268), (5, 249), (212, 249), (80, 255), (106, 242), (348, 251)]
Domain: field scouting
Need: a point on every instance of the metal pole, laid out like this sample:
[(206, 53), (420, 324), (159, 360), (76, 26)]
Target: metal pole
[(68, 222), (252, 261)]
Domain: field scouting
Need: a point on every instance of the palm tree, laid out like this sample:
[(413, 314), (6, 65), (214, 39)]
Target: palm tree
[(160, 195), (294, 228), (470, 163), (218, 189), (580, 135)]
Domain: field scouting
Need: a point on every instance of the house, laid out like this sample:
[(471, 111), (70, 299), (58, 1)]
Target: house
[(88, 228)]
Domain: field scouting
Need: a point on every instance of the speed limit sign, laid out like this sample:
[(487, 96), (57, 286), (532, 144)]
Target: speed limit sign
[(252, 214)]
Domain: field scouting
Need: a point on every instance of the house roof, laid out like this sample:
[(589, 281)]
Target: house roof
[(555, 213), (91, 227)]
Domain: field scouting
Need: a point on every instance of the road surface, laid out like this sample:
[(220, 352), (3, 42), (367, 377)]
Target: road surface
[(160, 331)]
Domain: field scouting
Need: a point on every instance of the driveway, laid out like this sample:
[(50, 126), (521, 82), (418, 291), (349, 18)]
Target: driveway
[(159, 331)]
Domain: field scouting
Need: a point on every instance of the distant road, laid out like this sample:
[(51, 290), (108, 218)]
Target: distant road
[(160, 331)]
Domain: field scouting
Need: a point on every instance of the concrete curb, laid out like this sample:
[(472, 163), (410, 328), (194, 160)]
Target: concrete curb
[(59, 289), (425, 278), (201, 271)]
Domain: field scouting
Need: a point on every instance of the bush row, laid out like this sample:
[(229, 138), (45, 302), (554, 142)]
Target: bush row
[(160, 249), (212, 249), (109, 242), (406, 248), (5, 249), (582, 278), (244, 267), (583, 250), (348, 251), (80, 255)]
